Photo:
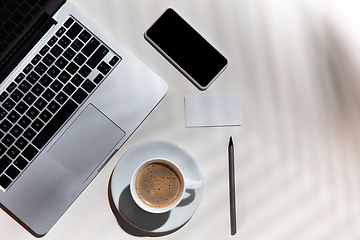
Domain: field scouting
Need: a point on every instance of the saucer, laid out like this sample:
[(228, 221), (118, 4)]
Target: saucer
[(120, 188)]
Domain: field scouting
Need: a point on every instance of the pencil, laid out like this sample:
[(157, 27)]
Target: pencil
[(232, 187)]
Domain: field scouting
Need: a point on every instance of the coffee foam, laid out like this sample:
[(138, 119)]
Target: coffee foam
[(157, 185)]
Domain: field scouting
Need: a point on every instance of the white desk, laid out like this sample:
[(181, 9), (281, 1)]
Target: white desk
[(296, 67)]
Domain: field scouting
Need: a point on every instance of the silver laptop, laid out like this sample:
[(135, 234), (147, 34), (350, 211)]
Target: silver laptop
[(70, 96)]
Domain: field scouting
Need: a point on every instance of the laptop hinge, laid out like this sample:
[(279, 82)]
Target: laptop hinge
[(43, 25)]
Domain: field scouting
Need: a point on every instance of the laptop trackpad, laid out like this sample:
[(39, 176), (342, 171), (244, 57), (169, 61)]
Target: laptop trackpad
[(86, 143)]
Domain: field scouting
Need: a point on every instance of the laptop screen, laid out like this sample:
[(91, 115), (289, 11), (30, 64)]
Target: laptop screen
[(18, 21)]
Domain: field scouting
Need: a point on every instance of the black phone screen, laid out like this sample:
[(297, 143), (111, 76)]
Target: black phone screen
[(186, 49)]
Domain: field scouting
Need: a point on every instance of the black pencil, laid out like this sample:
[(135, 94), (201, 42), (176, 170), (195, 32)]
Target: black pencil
[(232, 187)]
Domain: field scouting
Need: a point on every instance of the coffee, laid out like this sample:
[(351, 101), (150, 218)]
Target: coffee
[(158, 185)]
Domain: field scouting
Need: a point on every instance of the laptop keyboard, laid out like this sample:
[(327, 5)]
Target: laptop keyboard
[(47, 92), (15, 15)]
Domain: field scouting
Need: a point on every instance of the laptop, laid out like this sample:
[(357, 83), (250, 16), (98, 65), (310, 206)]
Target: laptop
[(70, 96)]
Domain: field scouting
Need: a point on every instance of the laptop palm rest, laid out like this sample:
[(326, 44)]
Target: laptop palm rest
[(86, 143)]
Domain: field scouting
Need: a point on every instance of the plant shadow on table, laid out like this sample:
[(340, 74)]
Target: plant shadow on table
[(145, 220)]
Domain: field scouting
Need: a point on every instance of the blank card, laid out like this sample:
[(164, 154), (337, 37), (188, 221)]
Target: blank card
[(212, 111)]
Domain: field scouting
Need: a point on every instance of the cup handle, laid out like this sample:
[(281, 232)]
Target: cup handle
[(193, 184)]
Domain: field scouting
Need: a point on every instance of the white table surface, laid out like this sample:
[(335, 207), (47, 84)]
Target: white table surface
[(295, 65)]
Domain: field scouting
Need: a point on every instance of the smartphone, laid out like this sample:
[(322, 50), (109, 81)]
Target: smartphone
[(186, 49)]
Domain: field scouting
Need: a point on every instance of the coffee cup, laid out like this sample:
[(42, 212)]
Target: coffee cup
[(158, 185)]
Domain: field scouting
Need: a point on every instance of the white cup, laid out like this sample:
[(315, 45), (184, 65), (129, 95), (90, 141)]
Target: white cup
[(184, 184)]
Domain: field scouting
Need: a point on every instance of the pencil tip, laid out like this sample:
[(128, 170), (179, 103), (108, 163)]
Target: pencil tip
[(230, 141)]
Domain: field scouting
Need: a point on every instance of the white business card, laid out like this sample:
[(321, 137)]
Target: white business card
[(212, 111)]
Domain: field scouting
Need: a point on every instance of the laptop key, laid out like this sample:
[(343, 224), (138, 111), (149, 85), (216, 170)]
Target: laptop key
[(90, 47), (85, 36), (114, 60), (12, 6), (85, 71), (52, 41), (4, 163), (29, 134), (4, 14), (8, 104), (29, 98), (16, 131), (97, 56), (80, 59), (64, 77), (61, 98), (17, 95), (28, 68), (77, 45), (37, 89), (8, 140), (5, 125), (20, 163), (104, 68), (12, 172), (37, 125), (48, 94), (10, 38), (53, 107), (3, 45), (61, 63), (64, 42), (53, 71), (44, 50), (32, 2), (98, 78), (74, 30), (11, 87), (79, 96), (56, 51), (54, 124), (46, 80), (60, 32), (17, 18), (13, 116), (48, 59), (24, 86), (35, 10), (88, 85), (2, 113), (77, 80), (68, 22), (41, 69), (27, 20), (13, 152), (30, 152), (3, 96), (69, 89), (2, 151), (72, 68), (32, 113), (21, 143), (43, 2), (56, 85), (21, 107), (36, 59), (45, 116), (69, 54), (24, 122), (19, 77), (5, 181), (32, 77), (40, 104)]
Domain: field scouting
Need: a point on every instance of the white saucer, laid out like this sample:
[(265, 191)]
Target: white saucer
[(120, 189)]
